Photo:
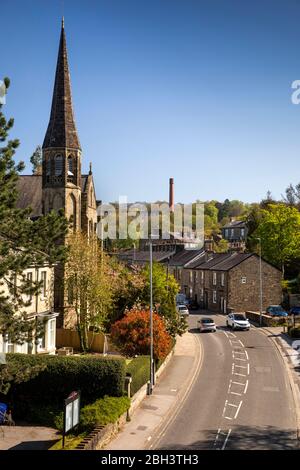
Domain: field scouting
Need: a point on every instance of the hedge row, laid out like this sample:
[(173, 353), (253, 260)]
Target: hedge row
[(139, 369), (94, 376), (294, 332), (103, 411)]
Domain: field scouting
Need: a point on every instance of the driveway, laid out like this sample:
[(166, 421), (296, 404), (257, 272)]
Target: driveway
[(27, 437)]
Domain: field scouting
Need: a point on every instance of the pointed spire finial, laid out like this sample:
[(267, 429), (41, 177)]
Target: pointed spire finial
[(61, 131), (63, 22), (90, 168)]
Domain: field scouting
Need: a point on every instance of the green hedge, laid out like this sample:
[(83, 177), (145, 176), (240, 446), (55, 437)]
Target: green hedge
[(94, 376), (103, 411), (294, 332), (139, 368)]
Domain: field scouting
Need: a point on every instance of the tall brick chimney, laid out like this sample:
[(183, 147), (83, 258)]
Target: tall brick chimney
[(171, 194)]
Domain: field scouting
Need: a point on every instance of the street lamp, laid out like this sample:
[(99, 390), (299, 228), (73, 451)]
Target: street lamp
[(260, 283), (151, 322)]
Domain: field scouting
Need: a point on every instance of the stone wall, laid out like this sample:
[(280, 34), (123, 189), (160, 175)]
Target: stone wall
[(244, 286)]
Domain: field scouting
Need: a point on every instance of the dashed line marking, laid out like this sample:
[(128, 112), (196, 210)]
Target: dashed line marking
[(239, 383), (227, 437), (238, 410), (246, 386)]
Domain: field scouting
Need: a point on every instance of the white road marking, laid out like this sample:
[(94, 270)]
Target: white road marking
[(235, 393), (246, 354), (241, 343), (248, 369), (241, 375), (238, 410), (240, 359), (232, 404), (242, 367), (227, 437), (239, 383), (246, 386)]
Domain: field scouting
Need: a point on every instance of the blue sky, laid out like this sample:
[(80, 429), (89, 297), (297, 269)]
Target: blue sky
[(191, 89)]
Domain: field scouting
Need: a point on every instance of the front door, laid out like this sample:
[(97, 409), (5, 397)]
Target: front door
[(205, 300)]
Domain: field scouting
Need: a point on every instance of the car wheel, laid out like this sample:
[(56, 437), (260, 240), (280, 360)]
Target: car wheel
[(227, 324)]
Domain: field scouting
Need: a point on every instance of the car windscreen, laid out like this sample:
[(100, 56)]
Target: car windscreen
[(207, 320), (181, 308), (239, 317)]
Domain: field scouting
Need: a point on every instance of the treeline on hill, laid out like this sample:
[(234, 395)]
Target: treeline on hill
[(275, 222)]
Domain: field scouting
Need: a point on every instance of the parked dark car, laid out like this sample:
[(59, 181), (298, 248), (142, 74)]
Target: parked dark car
[(276, 311), (193, 305), (295, 311)]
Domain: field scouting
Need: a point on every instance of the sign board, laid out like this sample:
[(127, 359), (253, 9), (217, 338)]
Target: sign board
[(71, 412), (244, 280)]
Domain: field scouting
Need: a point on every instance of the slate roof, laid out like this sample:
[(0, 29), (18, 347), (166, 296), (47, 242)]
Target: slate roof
[(143, 256), (224, 261), (30, 193), (184, 256), (235, 223)]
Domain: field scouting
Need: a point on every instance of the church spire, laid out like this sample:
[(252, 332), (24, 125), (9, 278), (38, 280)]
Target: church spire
[(61, 132)]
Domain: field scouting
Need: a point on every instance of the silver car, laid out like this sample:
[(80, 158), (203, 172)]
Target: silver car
[(206, 324), (237, 321)]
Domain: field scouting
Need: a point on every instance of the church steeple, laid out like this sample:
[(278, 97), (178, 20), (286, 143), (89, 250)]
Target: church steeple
[(61, 132)]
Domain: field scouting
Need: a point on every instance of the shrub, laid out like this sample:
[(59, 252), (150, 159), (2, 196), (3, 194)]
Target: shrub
[(139, 369), (294, 332), (95, 377), (103, 411), (131, 334)]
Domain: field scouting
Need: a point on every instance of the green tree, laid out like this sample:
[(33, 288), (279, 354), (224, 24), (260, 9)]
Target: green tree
[(279, 230), (165, 288), (23, 242), (88, 279), (36, 160)]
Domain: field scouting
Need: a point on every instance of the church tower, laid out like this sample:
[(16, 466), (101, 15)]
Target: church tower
[(61, 184)]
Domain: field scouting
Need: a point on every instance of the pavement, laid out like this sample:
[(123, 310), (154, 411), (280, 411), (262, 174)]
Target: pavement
[(168, 395), (234, 394), (27, 437)]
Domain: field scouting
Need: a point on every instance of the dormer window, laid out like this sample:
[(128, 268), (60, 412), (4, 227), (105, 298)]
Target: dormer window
[(58, 165)]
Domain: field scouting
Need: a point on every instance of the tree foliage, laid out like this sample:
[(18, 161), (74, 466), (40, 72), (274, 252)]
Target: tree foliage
[(279, 230), (131, 334), (89, 282), (23, 242), (36, 160)]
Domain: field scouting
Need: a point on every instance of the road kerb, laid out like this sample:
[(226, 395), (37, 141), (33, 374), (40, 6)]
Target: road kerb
[(173, 412), (293, 386)]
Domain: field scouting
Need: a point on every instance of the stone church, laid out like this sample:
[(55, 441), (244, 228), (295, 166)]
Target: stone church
[(60, 183)]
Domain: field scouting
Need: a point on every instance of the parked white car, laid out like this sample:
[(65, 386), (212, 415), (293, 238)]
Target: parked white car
[(237, 321), (183, 310)]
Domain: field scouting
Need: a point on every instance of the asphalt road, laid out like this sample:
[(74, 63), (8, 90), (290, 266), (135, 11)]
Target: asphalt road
[(241, 398)]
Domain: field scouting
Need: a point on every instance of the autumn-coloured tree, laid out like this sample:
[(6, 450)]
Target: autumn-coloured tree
[(131, 334)]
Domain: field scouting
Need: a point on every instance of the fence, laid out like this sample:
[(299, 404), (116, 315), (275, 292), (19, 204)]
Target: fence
[(70, 338)]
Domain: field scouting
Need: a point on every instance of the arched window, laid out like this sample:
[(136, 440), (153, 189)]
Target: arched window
[(48, 167), (72, 211), (58, 165), (70, 166)]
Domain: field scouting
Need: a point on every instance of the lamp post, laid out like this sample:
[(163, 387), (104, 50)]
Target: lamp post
[(260, 283), (151, 322)]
